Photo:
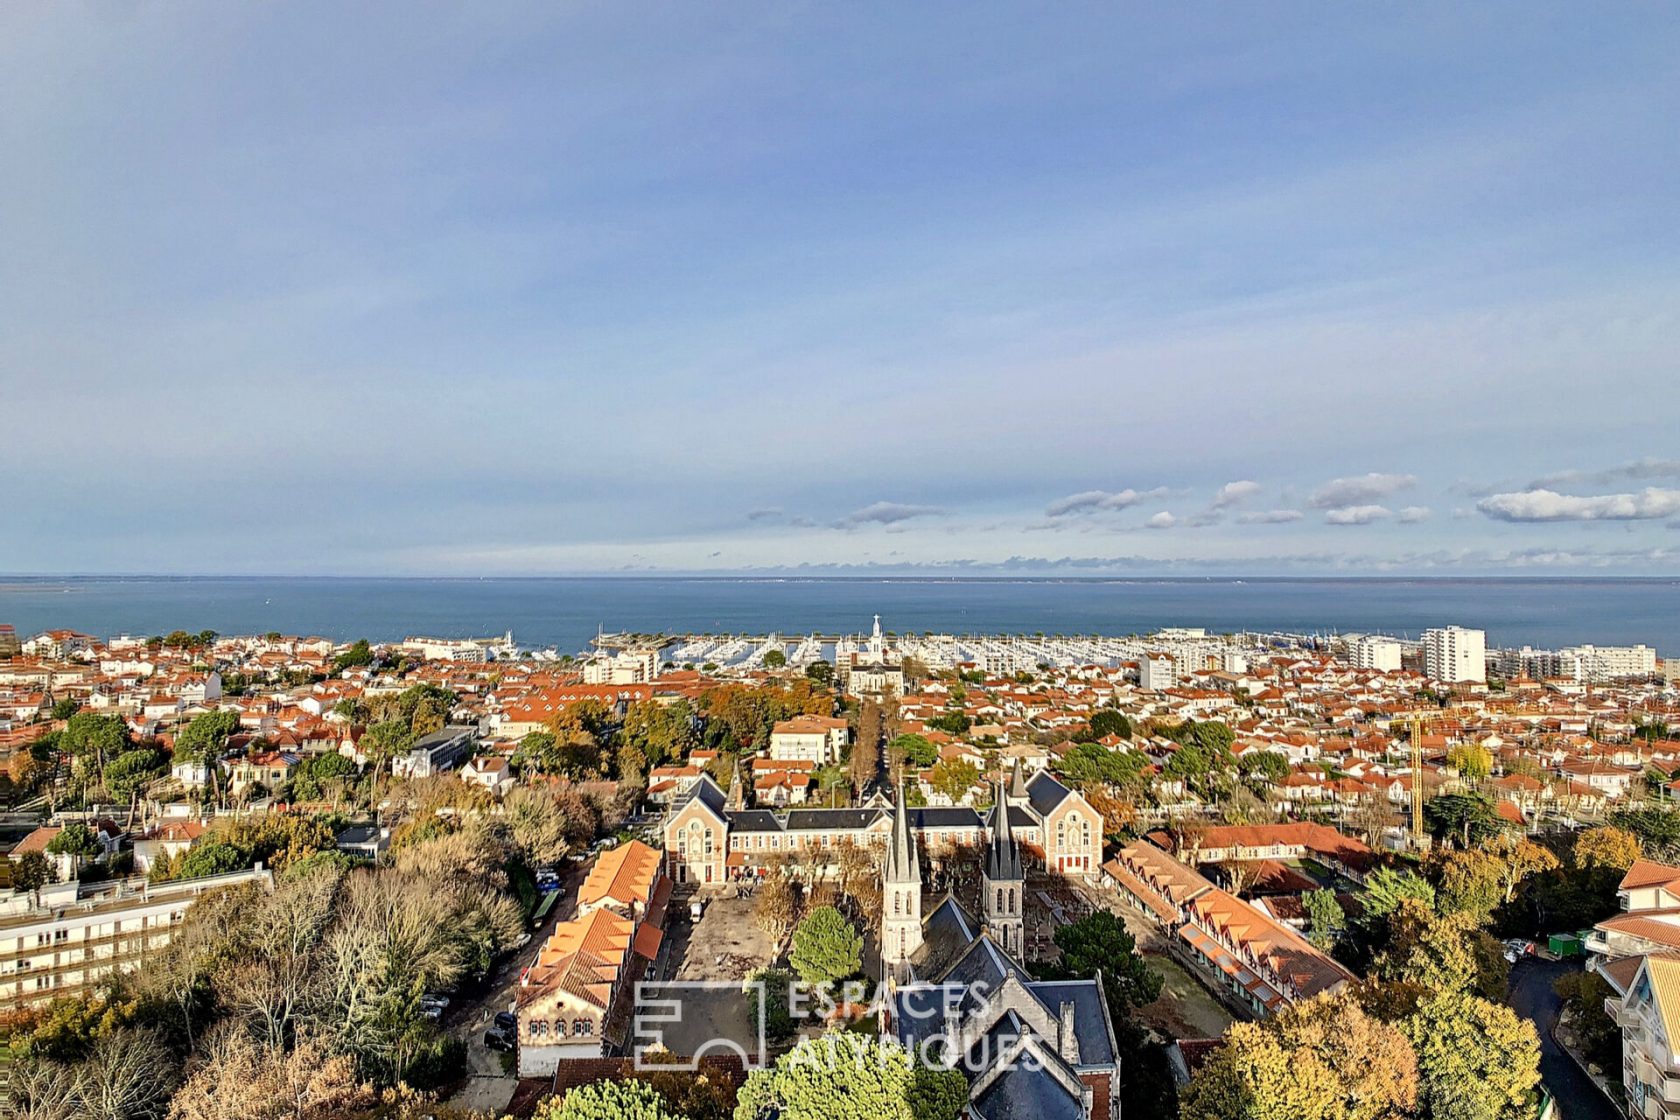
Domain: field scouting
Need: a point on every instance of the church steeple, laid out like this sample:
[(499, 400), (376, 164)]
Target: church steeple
[(901, 897), (1003, 888)]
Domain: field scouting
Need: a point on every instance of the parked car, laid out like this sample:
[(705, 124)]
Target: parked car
[(432, 1006), (1516, 948), (503, 1032)]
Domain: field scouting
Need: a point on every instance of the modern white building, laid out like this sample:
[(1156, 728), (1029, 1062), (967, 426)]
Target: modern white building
[(1157, 672), (65, 938), (630, 666), (1374, 652), (1454, 655), (820, 740), (1608, 663)]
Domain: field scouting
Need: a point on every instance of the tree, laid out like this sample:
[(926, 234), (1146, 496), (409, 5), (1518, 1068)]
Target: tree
[(1325, 917), (205, 740), (75, 840), (954, 778), (629, 1099), (826, 947), (1385, 888), (1468, 817), (64, 709), (358, 655), (775, 907), (1322, 1060), (775, 659), (1606, 846), (952, 723), (1093, 762), (916, 750), (1264, 766), (848, 1076), (1470, 883), (1476, 1059), (1100, 941), (821, 671), (1472, 760), (865, 761), (31, 871), (132, 771), (1108, 722), (662, 732)]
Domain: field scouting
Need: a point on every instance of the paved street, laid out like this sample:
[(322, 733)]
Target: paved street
[(487, 1087), (1533, 998)]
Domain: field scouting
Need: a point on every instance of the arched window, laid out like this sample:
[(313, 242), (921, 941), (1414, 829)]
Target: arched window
[(898, 903), (1084, 833), (539, 1028), (1061, 835), (583, 1027), (708, 843), (1012, 900)]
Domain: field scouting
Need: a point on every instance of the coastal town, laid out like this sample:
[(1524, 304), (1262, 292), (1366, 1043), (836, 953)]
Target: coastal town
[(1176, 874)]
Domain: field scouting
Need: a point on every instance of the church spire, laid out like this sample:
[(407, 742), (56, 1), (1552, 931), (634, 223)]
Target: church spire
[(1003, 855), (902, 864)]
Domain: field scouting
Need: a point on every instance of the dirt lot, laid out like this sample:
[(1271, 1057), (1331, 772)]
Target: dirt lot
[(1185, 1009), (725, 944)]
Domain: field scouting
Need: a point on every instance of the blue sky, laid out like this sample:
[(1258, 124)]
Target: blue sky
[(504, 288)]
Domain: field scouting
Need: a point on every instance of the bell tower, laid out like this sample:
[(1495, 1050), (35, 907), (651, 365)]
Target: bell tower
[(901, 898), (1004, 884)]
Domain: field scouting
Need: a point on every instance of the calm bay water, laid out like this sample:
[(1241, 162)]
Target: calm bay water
[(566, 612)]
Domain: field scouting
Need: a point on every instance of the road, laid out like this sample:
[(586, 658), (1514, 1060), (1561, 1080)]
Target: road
[(1533, 998), (486, 1087)]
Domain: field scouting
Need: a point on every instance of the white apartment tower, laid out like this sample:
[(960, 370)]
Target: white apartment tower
[(1373, 652), (1454, 655)]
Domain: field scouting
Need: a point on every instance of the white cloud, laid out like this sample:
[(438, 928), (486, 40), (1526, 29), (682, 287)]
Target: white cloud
[(1087, 500), (1270, 517), (1360, 490), (1411, 515), (1652, 503), (1162, 520), (1357, 515), (885, 513), (1235, 493)]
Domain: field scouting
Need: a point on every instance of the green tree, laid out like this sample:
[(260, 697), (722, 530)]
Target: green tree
[(1101, 942), (1467, 817), (31, 871), (205, 740), (1325, 918), (1107, 721), (1477, 1060), (94, 740), (358, 655), (1386, 888), (820, 671), (826, 947), (132, 771), (75, 840), (775, 659), (1266, 766), (664, 733), (627, 1099), (65, 708), (847, 1076), (952, 723), (1093, 762), (915, 750)]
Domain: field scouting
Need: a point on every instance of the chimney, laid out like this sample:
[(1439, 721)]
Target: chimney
[(1067, 1043)]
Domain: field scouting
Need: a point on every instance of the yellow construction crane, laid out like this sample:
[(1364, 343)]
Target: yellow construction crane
[(1417, 722)]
